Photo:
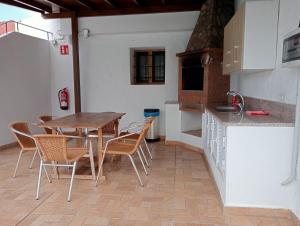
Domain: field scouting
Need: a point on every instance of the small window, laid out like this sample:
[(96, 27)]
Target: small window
[(148, 66)]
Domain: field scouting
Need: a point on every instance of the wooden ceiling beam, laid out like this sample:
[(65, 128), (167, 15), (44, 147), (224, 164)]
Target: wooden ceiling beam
[(57, 15), (142, 10), (18, 4), (88, 4), (128, 11), (138, 2), (61, 5), (36, 5), (111, 3)]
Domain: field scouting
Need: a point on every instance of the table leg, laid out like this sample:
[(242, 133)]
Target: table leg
[(80, 134), (100, 147), (55, 168), (116, 130), (116, 126)]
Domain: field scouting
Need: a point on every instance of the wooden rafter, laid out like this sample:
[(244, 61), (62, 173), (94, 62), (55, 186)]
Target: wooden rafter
[(88, 4), (18, 4), (128, 11), (35, 4), (61, 5), (138, 2), (111, 3)]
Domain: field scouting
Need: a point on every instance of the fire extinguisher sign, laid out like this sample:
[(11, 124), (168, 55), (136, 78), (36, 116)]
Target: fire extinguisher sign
[(64, 50)]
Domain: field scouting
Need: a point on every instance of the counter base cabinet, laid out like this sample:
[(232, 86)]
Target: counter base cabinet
[(249, 163)]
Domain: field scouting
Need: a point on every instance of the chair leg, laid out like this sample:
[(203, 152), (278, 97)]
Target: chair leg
[(31, 163), (55, 169), (136, 171), (71, 183), (47, 175), (100, 168), (142, 161), (147, 147), (92, 160), (144, 156), (15, 172), (39, 180)]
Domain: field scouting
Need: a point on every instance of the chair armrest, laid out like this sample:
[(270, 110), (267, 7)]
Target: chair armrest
[(23, 134)]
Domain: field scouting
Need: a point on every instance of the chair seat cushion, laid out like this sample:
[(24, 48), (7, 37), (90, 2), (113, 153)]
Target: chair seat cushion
[(74, 154)]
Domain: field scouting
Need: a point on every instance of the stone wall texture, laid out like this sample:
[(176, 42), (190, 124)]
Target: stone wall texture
[(209, 29)]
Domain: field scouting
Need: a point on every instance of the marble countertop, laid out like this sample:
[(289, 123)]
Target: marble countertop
[(236, 119)]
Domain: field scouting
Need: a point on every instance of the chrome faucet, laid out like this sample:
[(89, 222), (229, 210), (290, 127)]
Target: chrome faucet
[(242, 101)]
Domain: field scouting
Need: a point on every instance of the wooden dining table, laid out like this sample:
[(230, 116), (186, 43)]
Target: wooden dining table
[(87, 121)]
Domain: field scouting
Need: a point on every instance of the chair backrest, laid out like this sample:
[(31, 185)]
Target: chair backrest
[(109, 128), (52, 147), (24, 141), (142, 135), (46, 118)]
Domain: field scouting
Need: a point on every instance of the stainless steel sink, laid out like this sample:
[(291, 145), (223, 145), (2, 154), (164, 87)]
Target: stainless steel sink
[(226, 108)]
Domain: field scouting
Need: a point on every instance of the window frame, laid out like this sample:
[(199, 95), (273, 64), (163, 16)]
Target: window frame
[(134, 80)]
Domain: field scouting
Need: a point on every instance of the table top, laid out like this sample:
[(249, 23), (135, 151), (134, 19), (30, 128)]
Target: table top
[(83, 120)]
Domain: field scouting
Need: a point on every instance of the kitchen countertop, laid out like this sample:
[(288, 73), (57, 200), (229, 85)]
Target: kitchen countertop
[(235, 119)]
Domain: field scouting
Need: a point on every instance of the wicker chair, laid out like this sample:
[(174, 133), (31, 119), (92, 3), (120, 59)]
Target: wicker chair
[(26, 142), (117, 146), (54, 152), (135, 136), (70, 135)]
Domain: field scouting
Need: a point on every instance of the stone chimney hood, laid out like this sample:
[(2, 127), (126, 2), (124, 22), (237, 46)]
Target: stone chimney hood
[(209, 29)]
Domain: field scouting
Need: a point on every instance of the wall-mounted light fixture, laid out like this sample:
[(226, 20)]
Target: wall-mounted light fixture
[(85, 32)]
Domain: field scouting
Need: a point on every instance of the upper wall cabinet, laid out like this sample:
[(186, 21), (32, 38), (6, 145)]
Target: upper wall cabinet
[(250, 38)]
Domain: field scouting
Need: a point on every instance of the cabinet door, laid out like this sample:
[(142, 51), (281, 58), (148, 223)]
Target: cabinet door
[(228, 54), (238, 22)]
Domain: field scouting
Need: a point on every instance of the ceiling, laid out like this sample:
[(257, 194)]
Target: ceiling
[(84, 8)]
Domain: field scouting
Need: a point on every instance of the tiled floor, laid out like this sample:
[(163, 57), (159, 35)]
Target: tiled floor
[(178, 192)]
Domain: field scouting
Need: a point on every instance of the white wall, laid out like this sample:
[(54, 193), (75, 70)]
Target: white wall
[(281, 83), (105, 61), (24, 81), (61, 67)]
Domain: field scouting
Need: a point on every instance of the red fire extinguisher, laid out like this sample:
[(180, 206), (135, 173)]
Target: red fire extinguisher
[(63, 97)]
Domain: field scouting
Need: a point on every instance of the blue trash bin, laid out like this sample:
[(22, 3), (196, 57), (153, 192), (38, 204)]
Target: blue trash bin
[(153, 133)]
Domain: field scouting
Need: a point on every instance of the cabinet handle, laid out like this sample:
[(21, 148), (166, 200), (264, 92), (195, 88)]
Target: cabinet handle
[(235, 61), (228, 52), (227, 65), (224, 142)]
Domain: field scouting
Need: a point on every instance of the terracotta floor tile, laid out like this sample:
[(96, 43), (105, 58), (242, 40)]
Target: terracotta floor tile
[(178, 192)]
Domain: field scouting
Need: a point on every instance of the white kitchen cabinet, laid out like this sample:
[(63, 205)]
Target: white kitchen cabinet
[(249, 163), (250, 38)]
